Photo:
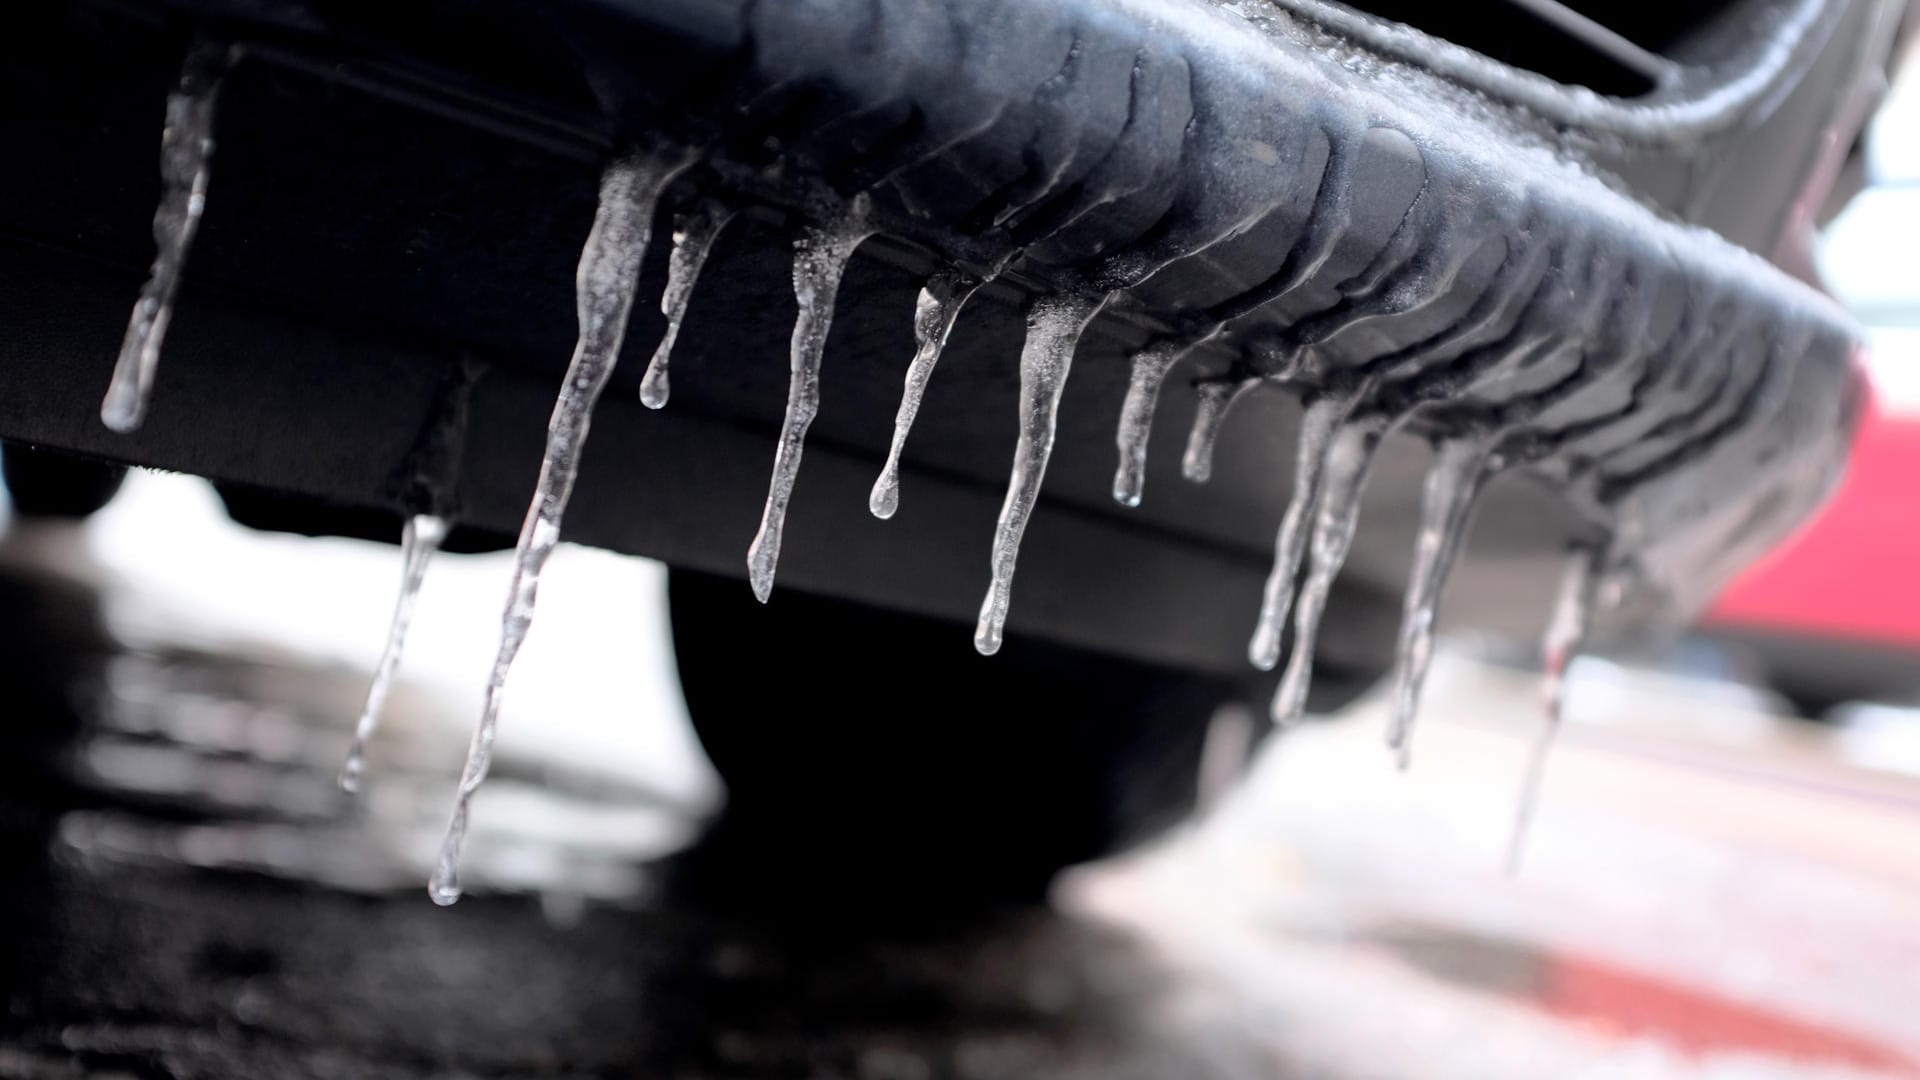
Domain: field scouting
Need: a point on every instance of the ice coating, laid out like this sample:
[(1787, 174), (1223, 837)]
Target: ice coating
[(1054, 326), (1566, 633), (186, 151), (819, 259), (418, 542), (605, 283), (693, 235), (941, 299), (1150, 367), (1350, 459), (1446, 508), (1323, 418), (1209, 414)]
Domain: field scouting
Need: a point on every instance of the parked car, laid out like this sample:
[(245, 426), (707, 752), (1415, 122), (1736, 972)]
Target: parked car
[(1520, 261)]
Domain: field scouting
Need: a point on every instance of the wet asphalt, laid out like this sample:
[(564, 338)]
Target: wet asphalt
[(187, 894), (170, 913)]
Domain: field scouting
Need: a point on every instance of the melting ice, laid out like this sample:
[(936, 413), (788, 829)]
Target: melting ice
[(1566, 633), (1150, 367), (1446, 509), (819, 259), (1350, 458), (1209, 416), (1322, 420), (1054, 326), (933, 314), (418, 542), (186, 150), (693, 237), (605, 283)]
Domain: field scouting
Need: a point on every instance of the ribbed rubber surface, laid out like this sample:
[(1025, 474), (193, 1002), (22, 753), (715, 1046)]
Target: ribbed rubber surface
[(402, 185), (1329, 218)]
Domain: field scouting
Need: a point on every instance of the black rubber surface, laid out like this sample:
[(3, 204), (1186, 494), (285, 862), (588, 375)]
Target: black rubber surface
[(402, 191)]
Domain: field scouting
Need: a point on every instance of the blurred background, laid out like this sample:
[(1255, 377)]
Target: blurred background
[(1720, 880)]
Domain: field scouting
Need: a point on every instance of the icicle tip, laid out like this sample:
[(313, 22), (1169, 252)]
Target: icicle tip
[(1263, 651), (986, 639), (884, 501), (653, 388), (444, 890)]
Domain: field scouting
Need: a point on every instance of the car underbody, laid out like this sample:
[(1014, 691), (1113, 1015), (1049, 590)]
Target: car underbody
[(1370, 288)]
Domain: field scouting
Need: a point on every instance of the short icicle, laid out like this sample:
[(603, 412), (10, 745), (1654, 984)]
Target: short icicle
[(418, 542), (605, 283), (1323, 418), (819, 258), (1350, 459), (1446, 509), (941, 299), (1150, 367), (1566, 633), (186, 152), (1054, 326), (693, 235), (1209, 416)]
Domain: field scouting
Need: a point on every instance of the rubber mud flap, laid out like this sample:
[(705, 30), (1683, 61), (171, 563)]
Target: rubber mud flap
[(1235, 200)]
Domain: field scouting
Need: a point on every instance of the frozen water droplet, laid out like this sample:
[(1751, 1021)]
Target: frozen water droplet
[(604, 284), (1053, 330), (418, 541), (1209, 416), (819, 259), (1446, 508), (1566, 632), (1150, 367), (1350, 459), (1317, 427), (693, 236), (186, 150), (941, 299)]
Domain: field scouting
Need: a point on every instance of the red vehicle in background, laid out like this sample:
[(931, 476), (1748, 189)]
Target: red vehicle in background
[(1834, 615)]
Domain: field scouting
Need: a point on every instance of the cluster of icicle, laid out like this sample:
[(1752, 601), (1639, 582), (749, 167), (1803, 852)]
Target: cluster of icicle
[(1339, 436)]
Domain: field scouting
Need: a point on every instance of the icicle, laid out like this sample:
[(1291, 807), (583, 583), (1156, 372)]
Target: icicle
[(819, 258), (1446, 507), (1317, 427), (1566, 632), (186, 150), (418, 541), (604, 286), (941, 299), (1209, 415), (1350, 459), (1150, 367), (1053, 330), (693, 236)]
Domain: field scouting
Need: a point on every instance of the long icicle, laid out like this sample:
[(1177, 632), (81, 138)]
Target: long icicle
[(941, 299), (1350, 460), (1216, 399), (1317, 427), (186, 153), (605, 284), (1053, 330), (1566, 633), (418, 542), (819, 259), (693, 235), (1150, 367), (1446, 509)]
